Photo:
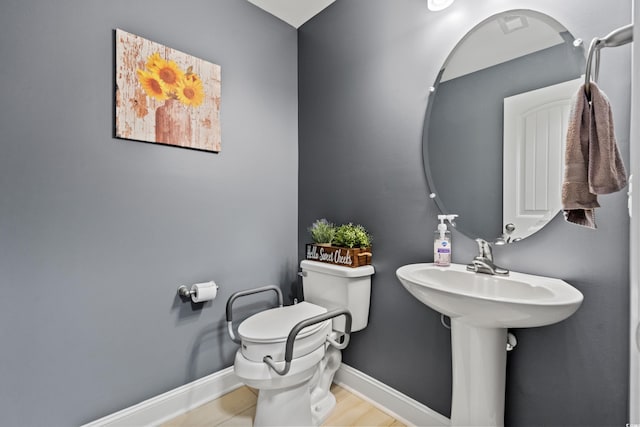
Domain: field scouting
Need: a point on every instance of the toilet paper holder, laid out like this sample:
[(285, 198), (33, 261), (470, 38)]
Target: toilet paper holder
[(185, 292), (189, 292)]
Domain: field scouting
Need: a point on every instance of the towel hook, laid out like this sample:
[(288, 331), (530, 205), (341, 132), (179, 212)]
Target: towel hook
[(618, 37), (594, 49)]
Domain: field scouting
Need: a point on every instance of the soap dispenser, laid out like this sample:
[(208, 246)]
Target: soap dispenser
[(442, 241)]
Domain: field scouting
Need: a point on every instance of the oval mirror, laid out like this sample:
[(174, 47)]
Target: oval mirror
[(494, 130)]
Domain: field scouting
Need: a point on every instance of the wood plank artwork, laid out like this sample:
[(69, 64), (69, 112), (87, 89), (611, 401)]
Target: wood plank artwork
[(166, 96)]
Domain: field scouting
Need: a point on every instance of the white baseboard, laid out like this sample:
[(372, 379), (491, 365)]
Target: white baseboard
[(401, 407), (171, 404)]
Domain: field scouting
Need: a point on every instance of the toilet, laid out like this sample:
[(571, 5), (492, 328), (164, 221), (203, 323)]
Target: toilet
[(294, 390)]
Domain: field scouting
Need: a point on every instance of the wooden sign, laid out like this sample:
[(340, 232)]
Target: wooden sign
[(347, 257)]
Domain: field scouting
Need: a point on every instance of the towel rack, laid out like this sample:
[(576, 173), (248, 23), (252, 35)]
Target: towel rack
[(618, 37)]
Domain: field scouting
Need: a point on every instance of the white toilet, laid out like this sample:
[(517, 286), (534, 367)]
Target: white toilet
[(336, 302)]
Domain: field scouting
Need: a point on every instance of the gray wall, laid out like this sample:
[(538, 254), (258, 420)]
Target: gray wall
[(97, 233), (365, 67)]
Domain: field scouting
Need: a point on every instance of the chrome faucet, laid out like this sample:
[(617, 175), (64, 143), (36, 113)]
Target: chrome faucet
[(483, 262)]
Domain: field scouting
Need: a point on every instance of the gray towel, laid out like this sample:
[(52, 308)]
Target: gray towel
[(592, 160)]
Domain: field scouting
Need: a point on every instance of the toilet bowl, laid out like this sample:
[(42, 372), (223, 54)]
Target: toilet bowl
[(290, 354)]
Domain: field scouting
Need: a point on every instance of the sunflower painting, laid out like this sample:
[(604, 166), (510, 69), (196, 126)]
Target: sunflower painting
[(166, 96)]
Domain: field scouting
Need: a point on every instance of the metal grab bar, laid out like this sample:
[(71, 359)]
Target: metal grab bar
[(239, 294), (288, 354), (619, 37)]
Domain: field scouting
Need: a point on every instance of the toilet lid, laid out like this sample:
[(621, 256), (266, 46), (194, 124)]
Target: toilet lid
[(275, 324)]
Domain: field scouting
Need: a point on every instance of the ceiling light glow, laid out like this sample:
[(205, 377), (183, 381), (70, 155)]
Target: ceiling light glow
[(436, 5)]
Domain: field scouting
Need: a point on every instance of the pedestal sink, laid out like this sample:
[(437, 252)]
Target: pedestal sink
[(482, 307)]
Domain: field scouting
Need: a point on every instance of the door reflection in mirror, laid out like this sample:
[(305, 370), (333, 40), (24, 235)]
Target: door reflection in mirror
[(535, 129)]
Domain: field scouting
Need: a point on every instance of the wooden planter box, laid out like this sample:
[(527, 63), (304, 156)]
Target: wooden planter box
[(347, 257)]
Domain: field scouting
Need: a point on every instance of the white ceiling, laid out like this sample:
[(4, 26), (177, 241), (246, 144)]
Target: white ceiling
[(293, 12)]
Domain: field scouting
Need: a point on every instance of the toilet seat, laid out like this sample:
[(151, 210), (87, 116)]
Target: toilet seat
[(259, 375), (266, 332)]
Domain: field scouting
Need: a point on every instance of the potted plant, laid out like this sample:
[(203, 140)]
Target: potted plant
[(347, 245), (352, 236), (322, 232)]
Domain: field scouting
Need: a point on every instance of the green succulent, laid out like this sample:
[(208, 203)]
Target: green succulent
[(352, 236), (322, 231)]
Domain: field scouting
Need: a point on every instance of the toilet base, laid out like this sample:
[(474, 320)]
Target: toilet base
[(300, 398), (322, 400), (296, 401), (323, 408)]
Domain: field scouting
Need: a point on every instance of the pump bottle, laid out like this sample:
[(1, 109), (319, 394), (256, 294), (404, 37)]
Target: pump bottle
[(442, 241)]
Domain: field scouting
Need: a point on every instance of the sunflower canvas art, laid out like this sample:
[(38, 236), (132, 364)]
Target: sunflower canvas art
[(166, 96)]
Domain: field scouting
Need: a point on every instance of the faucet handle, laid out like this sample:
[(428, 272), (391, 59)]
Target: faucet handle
[(484, 249)]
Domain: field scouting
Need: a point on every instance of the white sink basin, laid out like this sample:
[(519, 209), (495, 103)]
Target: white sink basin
[(482, 308), (515, 301)]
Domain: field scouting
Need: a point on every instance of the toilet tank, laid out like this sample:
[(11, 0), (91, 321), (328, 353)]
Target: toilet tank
[(333, 286)]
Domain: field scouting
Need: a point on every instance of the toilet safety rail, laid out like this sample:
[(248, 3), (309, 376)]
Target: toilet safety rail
[(239, 294), (291, 338)]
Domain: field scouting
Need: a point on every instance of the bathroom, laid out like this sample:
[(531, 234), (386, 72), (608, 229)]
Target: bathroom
[(101, 231)]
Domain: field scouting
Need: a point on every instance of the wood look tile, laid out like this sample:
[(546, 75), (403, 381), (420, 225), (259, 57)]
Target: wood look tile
[(351, 410), (243, 419), (230, 406), (238, 408)]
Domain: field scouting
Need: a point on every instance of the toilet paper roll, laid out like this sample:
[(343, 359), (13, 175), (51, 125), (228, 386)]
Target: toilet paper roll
[(201, 292)]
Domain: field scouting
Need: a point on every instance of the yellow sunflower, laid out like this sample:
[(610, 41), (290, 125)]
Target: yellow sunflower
[(168, 71), (190, 90), (152, 85), (154, 61)]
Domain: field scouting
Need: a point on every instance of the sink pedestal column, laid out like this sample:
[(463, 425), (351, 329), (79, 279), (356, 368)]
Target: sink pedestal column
[(479, 361)]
